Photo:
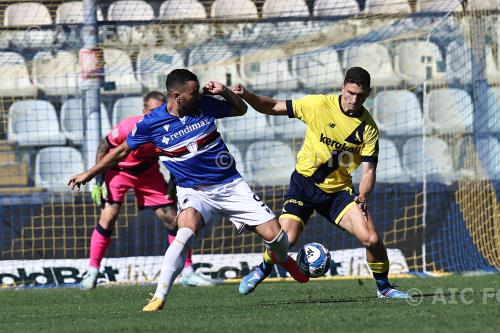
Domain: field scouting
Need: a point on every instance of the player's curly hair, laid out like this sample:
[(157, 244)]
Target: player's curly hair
[(179, 77), (359, 76)]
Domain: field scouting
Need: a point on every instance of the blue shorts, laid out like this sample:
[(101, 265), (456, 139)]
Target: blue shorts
[(304, 196)]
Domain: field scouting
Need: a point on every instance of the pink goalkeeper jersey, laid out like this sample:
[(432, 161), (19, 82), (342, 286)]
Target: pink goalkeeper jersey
[(139, 160)]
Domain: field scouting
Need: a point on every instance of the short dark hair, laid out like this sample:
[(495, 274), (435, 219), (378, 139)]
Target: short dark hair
[(179, 77), (359, 76), (155, 95)]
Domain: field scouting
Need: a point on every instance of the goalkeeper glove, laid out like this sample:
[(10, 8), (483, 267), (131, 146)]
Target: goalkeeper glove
[(99, 190)]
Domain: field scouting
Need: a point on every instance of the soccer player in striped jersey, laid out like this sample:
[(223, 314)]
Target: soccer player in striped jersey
[(340, 136), (138, 171), (185, 137)]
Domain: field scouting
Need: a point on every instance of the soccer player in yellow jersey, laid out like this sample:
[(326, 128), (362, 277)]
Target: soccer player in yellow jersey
[(340, 136)]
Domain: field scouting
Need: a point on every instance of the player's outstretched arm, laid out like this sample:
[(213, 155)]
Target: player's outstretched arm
[(108, 161), (238, 107), (366, 185), (262, 104)]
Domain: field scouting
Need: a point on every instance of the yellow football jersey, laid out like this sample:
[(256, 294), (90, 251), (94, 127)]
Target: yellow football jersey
[(335, 143)]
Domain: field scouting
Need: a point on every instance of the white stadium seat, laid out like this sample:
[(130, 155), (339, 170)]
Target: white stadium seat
[(438, 6), (483, 5), (413, 60), (437, 162), (492, 65), (335, 8), (118, 69), (153, 65), (285, 127), (230, 9), (73, 120), (376, 60), (34, 123), (269, 163), (458, 62), (250, 127), (398, 112), (389, 168), (126, 107), (319, 69), (71, 12), (56, 74), (267, 69), (238, 159), (285, 8), (381, 7), (494, 109), (54, 166), (280, 30), (450, 110), (133, 10), (14, 77), (29, 14)]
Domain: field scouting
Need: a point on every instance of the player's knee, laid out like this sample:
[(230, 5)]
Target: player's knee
[(371, 240), (168, 217)]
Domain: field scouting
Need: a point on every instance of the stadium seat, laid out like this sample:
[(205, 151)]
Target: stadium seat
[(478, 161), (34, 123), (215, 62), (238, 159), (269, 163), (56, 74), (118, 69), (415, 59), (376, 60), (229, 9), (133, 10), (267, 69), (398, 112), (73, 120), (494, 109), (492, 66), (458, 62), (280, 31), (438, 162), (250, 127), (389, 168), (126, 107), (285, 8), (438, 6), (335, 8), (153, 65), (450, 110), (184, 34), (14, 77), (5, 38), (319, 69), (285, 127), (29, 14), (55, 165), (482, 5), (71, 12), (384, 7), (493, 164)]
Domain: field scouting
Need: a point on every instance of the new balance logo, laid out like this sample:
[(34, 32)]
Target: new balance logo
[(331, 125)]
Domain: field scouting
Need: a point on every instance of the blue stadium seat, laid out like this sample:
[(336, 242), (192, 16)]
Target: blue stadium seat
[(153, 65), (54, 166), (493, 163), (381, 7), (57, 74), (14, 77), (398, 112), (34, 123), (319, 69), (73, 121), (437, 162), (458, 62), (376, 60), (285, 127), (250, 127), (126, 107), (450, 110), (269, 163)]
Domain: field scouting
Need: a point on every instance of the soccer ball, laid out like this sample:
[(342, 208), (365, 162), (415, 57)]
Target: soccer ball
[(314, 260)]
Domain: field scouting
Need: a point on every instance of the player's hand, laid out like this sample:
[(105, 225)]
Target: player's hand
[(78, 180), (98, 193), (362, 204), (240, 90), (214, 88)]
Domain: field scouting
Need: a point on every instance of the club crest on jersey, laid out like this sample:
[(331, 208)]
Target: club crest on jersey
[(192, 147)]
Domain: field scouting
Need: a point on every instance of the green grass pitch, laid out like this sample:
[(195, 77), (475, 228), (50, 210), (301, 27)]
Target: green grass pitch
[(319, 306)]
